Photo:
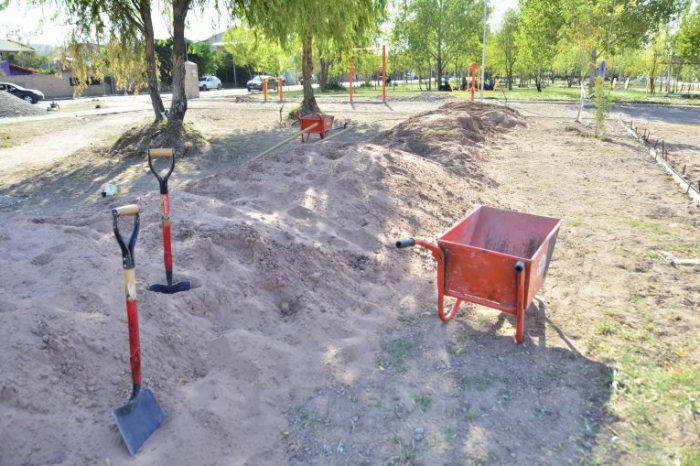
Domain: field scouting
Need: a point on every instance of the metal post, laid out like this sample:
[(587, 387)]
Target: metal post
[(280, 84), (264, 83), (384, 73), (352, 74), (483, 54)]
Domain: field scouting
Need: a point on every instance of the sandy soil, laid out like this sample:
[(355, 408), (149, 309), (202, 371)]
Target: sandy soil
[(309, 339)]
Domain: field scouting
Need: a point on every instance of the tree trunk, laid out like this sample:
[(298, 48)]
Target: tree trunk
[(308, 105), (538, 82), (150, 54), (178, 107), (323, 73), (591, 71)]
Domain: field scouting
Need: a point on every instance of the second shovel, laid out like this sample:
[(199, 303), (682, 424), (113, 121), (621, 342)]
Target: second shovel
[(170, 288)]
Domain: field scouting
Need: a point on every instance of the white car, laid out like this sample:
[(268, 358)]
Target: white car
[(209, 82)]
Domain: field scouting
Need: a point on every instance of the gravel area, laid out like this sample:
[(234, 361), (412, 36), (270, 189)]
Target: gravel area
[(11, 106)]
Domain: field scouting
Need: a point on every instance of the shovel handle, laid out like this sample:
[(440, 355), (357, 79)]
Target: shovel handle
[(127, 249), (162, 153), (127, 210), (132, 317)]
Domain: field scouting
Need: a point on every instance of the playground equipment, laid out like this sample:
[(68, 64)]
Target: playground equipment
[(165, 223), (141, 415), (492, 257), (351, 73), (473, 68)]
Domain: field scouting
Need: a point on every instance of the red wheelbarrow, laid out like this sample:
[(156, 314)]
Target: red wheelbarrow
[(320, 124), (493, 257)]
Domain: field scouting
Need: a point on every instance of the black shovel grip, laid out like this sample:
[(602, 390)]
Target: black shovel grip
[(159, 153), (405, 243), (131, 210)]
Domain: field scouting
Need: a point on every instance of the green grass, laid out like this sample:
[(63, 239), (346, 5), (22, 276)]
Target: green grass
[(558, 91), (396, 353), (14, 134), (82, 104), (423, 401)]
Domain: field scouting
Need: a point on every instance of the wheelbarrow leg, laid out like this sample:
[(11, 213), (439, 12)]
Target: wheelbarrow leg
[(520, 302)]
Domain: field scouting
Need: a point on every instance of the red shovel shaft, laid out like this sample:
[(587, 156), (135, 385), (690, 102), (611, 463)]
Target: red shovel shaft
[(167, 247), (132, 316)]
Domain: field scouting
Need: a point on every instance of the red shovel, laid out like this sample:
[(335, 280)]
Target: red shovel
[(142, 414), (165, 208)]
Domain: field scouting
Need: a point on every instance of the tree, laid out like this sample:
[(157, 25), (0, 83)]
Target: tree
[(258, 53), (437, 31), (506, 39), (126, 64), (602, 27), (178, 106), (687, 41), (342, 21), (538, 35), (127, 20)]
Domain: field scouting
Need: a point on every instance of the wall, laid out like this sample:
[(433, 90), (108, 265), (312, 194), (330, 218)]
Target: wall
[(56, 88), (191, 80)]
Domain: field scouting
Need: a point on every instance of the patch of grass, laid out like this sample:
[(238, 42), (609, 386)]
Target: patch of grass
[(481, 382), (606, 327), (397, 351), (83, 104), (307, 419), (423, 401), (14, 134), (406, 455), (471, 415), (485, 459), (650, 226)]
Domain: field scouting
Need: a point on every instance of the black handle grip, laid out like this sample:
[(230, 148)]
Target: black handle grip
[(405, 243)]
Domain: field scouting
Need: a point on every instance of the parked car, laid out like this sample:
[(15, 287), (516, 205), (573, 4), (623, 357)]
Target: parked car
[(29, 95), (209, 82), (255, 84)]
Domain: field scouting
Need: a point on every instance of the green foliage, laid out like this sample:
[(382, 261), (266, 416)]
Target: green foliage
[(126, 63), (204, 56), (602, 107), (439, 32), (84, 60), (687, 42), (538, 34), (256, 51)]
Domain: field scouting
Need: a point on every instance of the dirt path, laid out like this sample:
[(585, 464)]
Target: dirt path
[(52, 147)]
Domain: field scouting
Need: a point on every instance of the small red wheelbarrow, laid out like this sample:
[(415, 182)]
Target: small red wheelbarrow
[(318, 123), (493, 257)]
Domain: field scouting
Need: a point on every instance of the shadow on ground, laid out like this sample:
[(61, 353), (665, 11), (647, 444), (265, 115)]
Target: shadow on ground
[(460, 393)]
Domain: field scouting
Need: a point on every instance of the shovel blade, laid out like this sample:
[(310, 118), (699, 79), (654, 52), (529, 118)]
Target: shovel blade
[(138, 419), (171, 289)]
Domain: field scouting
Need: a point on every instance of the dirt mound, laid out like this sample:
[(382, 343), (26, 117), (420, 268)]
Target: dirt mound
[(453, 135), (136, 141), (295, 276), (11, 106)]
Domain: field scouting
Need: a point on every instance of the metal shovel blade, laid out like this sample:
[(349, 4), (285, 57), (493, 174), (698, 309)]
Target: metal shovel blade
[(171, 289), (138, 419)]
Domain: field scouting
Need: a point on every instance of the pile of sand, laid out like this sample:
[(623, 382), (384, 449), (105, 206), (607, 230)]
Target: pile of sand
[(11, 106), (295, 277), (453, 135)]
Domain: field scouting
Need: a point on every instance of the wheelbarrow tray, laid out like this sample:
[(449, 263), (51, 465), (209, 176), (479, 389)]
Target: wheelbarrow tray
[(325, 123), (481, 252)]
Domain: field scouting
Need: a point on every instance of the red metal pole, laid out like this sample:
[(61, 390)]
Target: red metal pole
[(352, 74), (264, 90), (384, 73)]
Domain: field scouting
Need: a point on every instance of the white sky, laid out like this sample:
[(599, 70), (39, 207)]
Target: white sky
[(42, 25)]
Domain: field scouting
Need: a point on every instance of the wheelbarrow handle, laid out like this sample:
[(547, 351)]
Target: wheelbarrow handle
[(158, 153), (405, 243), (131, 210)]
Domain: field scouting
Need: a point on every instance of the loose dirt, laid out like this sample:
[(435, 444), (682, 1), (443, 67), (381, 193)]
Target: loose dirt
[(11, 106), (309, 339)]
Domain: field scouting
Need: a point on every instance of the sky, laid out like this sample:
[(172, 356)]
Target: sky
[(43, 25)]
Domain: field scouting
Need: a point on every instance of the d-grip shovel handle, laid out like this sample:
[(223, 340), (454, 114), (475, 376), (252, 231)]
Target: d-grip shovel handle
[(131, 210), (130, 290), (158, 153)]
